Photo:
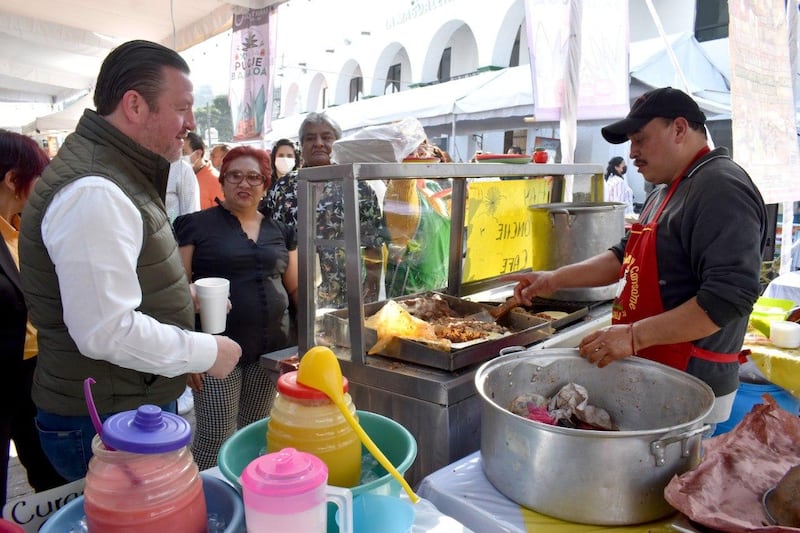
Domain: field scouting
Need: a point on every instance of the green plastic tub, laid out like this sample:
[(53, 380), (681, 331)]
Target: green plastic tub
[(395, 441)]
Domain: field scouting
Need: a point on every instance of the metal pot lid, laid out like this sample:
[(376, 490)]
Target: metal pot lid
[(148, 429)]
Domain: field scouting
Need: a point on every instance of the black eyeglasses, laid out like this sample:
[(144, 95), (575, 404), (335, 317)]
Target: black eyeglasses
[(235, 177)]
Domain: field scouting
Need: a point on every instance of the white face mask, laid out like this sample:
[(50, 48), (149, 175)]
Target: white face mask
[(188, 159), (284, 164)]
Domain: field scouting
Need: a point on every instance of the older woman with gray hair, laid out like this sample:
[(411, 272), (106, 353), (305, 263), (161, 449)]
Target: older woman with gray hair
[(317, 135)]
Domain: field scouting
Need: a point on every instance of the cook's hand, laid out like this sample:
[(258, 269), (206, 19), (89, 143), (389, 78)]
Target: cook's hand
[(532, 284), (195, 381), (228, 354), (606, 345)]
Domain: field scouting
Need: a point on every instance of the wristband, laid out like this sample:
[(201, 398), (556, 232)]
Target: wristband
[(633, 346)]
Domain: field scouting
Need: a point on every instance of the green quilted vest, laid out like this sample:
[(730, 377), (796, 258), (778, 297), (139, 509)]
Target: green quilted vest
[(98, 149)]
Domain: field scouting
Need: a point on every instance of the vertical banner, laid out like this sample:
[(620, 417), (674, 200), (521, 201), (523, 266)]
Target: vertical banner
[(252, 58), (603, 76), (762, 97)]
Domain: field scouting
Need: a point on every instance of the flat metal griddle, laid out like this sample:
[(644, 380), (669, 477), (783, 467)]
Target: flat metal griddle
[(575, 310), (525, 329)]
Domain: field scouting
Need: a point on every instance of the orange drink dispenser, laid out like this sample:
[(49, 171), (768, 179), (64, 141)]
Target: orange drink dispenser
[(305, 419), (143, 477)]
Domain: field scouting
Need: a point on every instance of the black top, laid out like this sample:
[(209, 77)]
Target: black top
[(259, 317), (13, 320)]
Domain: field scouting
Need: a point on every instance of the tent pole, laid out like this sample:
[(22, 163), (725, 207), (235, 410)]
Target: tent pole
[(787, 226), (452, 143), (673, 58)]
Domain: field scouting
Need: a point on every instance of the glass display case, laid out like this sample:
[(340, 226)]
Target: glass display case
[(487, 209)]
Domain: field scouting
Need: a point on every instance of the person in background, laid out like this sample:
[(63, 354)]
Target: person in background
[(441, 155), (285, 162), (207, 178), (317, 134), (514, 150), (101, 272), (687, 276), (183, 192), (285, 158), (21, 163), (183, 196), (218, 154), (616, 189), (259, 256)]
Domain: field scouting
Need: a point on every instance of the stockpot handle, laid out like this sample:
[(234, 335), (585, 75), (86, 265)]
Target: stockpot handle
[(565, 212), (512, 349), (658, 447)]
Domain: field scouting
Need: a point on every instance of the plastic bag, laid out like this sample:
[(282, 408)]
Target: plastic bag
[(725, 490), (388, 143)]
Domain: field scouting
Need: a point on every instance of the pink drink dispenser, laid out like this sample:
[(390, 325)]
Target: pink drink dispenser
[(143, 477), (287, 491)]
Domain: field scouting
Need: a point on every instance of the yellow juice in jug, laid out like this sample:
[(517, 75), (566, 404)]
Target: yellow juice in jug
[(305, 419)]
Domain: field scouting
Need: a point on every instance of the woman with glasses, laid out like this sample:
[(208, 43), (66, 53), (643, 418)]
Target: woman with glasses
[(233, 240)]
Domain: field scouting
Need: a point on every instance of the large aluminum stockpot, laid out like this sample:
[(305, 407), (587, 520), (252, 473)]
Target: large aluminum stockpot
[(566, 233), (592, 477)]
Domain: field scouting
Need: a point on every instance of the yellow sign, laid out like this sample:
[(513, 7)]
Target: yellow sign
[(499, 237)]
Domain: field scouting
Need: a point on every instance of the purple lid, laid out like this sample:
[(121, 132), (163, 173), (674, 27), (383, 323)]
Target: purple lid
[(146, 430)]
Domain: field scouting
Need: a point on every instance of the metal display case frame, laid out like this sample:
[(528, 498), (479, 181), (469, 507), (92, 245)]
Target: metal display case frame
[(440, 408)]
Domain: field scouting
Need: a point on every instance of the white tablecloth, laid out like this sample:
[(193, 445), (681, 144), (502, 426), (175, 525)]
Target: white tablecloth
[(786, 286), (462, 491), (427, 518)]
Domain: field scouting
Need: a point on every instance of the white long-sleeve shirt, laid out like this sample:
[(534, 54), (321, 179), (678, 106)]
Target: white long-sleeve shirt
[(616, 189), (93, 233), (183, 191)]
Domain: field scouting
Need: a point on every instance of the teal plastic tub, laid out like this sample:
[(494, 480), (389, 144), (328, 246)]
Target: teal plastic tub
[(394, 440)]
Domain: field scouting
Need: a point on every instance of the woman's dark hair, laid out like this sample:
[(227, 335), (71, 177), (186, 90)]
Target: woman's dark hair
[(263, 158), (138, 66), (22, 156), (612, 167), (278, 144)]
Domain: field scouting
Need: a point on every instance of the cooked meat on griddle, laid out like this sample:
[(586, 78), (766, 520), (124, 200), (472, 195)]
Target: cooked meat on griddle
[(428, 308), (447, 323), (461, 330)]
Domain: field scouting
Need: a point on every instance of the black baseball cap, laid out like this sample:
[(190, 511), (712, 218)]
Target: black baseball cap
[(665, 102)]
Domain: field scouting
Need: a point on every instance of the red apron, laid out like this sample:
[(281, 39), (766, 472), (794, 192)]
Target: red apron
[(639, 295)]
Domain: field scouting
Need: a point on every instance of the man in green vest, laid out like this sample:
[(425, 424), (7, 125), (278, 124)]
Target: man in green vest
[(100, 266)]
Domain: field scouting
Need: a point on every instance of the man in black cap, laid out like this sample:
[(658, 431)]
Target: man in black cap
[(688, 273)]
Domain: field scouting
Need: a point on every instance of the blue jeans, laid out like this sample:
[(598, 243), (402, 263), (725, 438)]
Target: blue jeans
[(67, 440)]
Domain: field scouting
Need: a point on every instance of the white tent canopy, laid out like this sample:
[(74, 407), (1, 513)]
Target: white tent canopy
[(651, 65), (64, 120), (498, 100), (52, 51)]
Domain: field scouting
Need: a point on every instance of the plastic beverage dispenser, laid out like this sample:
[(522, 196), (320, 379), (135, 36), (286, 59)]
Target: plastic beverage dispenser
[(286, 492), (305, 419), (149, 481)]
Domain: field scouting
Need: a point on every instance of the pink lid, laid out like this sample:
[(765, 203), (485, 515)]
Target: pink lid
[(284, 473)]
